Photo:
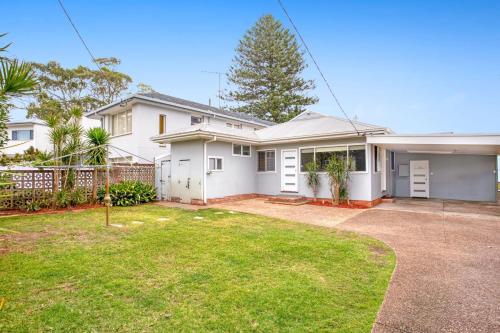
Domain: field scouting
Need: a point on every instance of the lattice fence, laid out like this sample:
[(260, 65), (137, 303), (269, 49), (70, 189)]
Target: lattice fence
[(38, 185)]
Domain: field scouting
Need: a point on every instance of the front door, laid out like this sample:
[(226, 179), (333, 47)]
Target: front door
[(289, 170), (184, 181), (165, 180), (419, 179)]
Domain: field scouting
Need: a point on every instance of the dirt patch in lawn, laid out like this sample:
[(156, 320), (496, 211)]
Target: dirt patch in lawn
[(21, 241)]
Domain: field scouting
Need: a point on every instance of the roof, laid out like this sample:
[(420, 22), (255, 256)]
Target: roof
[(175, 101), (309, 126), (27, 122), (314, 124), (440, 143)]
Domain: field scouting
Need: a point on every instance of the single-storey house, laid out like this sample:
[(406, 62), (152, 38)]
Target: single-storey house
[(210, 163), (25, 134)]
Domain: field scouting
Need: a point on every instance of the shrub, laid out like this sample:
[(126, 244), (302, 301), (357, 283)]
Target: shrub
[(62, 199), (78, 197), (312, 177), (128, 193)]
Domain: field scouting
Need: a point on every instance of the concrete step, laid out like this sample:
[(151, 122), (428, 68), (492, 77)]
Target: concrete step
[(288, 199)]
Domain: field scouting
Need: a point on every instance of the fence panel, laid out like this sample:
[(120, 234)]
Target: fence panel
[(24, 186)]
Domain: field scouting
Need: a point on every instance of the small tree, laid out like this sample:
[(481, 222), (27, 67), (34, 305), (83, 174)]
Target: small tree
[(313, 177), (338, 174), (97, 139)]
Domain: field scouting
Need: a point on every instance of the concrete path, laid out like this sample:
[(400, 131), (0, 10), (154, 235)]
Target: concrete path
[(447, 277), (317, 215)]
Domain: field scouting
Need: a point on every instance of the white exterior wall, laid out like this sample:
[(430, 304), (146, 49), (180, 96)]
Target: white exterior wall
[(145, 124), (238, 175), (360, 185), (40, 139)]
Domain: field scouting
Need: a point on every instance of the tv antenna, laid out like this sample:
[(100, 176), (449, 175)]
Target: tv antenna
[(219, 74)]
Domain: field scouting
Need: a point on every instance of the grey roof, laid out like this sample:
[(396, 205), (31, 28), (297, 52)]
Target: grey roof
[(27, 122), (313, 124), (176, 100), (307, 126)]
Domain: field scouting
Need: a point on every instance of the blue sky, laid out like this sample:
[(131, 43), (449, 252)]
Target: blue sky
[(422, 66)]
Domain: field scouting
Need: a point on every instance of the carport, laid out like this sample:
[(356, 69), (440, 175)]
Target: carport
[(441, 166)]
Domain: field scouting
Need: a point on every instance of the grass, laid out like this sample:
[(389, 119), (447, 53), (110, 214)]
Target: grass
[(222, 272)]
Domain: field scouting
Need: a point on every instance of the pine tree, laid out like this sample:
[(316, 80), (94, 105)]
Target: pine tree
[(266, 73)]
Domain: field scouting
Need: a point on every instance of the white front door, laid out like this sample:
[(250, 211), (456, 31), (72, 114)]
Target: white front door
[(184, 181), (289, 170), (165, 180), (383, 173), (419, 179)]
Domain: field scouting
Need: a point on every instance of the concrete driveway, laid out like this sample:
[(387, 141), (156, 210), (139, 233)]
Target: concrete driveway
[(447, 277)]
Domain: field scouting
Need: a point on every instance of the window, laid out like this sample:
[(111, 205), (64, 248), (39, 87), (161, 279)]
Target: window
[(393, 161), (266, 161), (241, 150), (163, 124), (306, 156), (376, 158), (238, 126), (229, 125), (356, 153), (214, 163), (22, 135), (196, 120), (323, 155), (357, 156), (121, 123)]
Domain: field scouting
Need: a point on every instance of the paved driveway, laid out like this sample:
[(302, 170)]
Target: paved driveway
[(447, 277)]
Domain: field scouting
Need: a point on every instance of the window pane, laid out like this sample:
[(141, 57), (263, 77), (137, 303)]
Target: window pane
[(246, 150), (306, 156), (211, 164), (393, 160), (22, 135), (324, 154), (270, 160), (195, 120), (261, 161), (357, 155), (128, 128), (237, 149), (219, 164), (376, 158)]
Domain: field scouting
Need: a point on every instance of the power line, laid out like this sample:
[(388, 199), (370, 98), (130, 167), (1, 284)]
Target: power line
[(79, 35), (317, 66)]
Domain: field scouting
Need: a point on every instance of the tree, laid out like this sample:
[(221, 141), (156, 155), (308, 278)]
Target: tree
[(338, 172), (63, 90), (312, 177), (16, 79), (97, 139), (267, 72)]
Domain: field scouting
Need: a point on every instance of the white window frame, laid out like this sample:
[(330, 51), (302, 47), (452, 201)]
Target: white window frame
[(229, 125), (241, 152), (336, 145), (111, 123), (215, 157), (238, 126), (275, 160)]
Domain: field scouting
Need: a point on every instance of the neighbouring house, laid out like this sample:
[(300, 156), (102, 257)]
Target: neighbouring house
[(25, 134), (133, 120), (210, 163)]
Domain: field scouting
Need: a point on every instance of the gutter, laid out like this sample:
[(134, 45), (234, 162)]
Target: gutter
[(205, 162)]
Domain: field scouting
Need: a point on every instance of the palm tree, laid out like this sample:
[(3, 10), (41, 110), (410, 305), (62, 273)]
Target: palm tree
[(16, 79), (97, 141)]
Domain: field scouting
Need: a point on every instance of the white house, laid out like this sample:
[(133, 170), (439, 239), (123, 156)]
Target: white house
[(210, 163), (26, 134), (135, 119)]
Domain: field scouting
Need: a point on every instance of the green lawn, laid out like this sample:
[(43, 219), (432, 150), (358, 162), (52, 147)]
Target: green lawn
[(224, 272)]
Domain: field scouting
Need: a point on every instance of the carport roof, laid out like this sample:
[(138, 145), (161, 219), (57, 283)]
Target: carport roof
[(440, 143)]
